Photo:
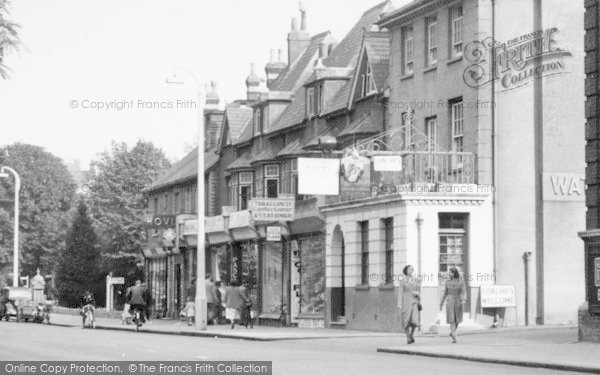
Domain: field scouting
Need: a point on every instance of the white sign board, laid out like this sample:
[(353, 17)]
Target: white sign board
[(273, 233), (117, 280), (318, 176), (190, 227), (498, 296), (387, 163), (265, 209), (564, 187), (213, 224)]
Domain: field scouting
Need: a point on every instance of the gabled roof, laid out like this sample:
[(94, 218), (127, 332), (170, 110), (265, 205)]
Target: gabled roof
[(297, 72), (294, 113), (264, 156), (237, 118), (346, 52), (246, 133), (377, 46), (186, 169), (339, 100)]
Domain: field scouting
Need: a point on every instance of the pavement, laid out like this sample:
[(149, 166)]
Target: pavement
[(544, 347), (554, 347)]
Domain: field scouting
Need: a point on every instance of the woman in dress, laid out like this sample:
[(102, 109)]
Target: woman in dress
[(234, 302), (455, 295), (408, 302)]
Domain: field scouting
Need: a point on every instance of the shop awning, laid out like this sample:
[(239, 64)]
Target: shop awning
[(241, 225)]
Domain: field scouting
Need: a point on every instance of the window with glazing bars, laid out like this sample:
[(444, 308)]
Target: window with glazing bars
[(456, 27), (364, 251)]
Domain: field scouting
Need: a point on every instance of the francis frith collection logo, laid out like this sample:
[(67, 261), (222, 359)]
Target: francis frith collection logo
[(517, 62)]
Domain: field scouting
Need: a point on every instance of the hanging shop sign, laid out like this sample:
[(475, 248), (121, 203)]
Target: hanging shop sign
[(318, 176), (161, 221), (385, 163), (265, 209), (354, 166), (190, 227)]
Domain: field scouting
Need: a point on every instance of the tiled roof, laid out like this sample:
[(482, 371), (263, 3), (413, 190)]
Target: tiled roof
[(236, 117), (185, 169), (264, 156), (292, 149), (243, 162), (246, 133), (297, 72), (364, 125), (346, 52), (340, 99), (378, 50), (294, 114)]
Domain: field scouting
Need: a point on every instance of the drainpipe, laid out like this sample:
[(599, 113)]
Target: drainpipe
[(494, 158), (526, 257), (419, 221)]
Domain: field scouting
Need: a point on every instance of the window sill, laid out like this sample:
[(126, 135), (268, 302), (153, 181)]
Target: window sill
[(430, 68), (454, 59), (362, 287), (387, 287), (408, 76)]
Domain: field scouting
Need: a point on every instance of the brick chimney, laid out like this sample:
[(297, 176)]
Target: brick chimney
[(297, 40), (212, 98), (252, 83), (274, 67)]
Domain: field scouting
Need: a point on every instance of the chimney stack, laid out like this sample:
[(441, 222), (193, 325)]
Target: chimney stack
[(252, 83), (297, 40), (274, 68), (212, 98)]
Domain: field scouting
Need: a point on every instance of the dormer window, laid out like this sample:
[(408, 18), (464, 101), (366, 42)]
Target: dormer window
[(257, 122), (310, 102), (368, 83), (265, 119), (319, 98)]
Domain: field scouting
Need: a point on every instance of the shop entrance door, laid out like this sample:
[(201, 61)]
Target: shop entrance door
[(338, 287), (453, 252)]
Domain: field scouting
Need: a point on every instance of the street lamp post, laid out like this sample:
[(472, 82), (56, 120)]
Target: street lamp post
[(4, 174), (200, 298)]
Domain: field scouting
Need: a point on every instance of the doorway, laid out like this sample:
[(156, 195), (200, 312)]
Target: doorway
[(338, 287)]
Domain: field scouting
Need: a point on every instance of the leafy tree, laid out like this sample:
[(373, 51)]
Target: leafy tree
[(9, 38), (118, 204), (79, 265), (45, 200)]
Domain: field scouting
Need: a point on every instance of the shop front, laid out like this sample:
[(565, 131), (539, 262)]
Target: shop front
[(241, 258)]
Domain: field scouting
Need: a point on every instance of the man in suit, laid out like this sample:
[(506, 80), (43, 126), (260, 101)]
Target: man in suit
[(211, 299)]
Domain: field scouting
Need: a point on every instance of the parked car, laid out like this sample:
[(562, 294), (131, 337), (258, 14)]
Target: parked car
[(16, 302)]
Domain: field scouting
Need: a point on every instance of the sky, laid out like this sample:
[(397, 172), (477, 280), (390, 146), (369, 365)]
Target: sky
[(93, 71)]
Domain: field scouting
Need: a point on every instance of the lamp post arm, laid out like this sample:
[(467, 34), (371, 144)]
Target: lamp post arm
[(16, 224)]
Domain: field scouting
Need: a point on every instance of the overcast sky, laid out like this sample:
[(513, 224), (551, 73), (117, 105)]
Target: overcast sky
[(80, 53)]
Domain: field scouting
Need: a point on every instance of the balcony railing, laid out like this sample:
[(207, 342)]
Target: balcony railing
[(421, 171)]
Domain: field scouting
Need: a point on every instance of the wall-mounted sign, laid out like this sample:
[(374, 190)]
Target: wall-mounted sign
[(240, 219), (214, 224), (387, 163), (161, 221), (265, 209), (318, 176), (189, 227), (274, 234), (515, 59), (116, 280), (498, 296), (564, 187)]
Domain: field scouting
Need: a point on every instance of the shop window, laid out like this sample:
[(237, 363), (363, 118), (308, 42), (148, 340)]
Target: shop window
[(272, 278), (312, 275), (363, 227), (388, 238), (452, 237)]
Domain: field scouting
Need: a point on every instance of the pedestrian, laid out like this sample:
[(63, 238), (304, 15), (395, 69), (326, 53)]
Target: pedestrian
[(455, 295), (246, 314), (211, 299), (219, 301), (190, 310), (138, 298), (409, 303), (235, 301)]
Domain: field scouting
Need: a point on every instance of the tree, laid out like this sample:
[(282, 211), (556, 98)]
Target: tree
[(118, 204), (9, 38), (45, 201), (78, 270)]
